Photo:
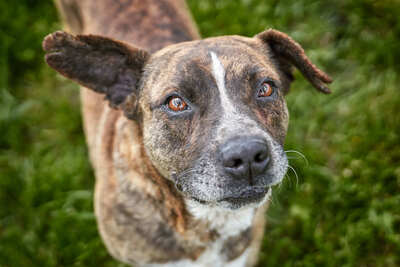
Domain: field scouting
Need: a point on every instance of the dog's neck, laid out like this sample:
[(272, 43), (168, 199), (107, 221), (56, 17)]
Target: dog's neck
[(225, 222)]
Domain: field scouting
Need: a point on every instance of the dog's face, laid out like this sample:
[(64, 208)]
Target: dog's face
[(212, 112), (215, 118)]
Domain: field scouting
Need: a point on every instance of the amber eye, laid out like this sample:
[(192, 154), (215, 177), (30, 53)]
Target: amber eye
[(175, 103), (265, 90)]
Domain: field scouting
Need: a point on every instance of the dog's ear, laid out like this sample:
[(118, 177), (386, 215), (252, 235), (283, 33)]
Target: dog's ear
[(104, 65), (288, 52)]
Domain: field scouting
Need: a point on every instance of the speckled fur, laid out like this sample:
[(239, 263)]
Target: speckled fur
[(141, 153)]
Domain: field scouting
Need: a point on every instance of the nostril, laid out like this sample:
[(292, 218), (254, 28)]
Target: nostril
[(234, 163), (261, 156), (237, 163)]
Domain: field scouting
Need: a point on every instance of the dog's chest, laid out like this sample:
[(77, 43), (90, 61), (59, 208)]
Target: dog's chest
[(231, 247), (228, 223), (233, 228), (210, 257)]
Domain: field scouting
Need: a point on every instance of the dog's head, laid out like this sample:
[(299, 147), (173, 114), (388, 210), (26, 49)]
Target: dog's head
[(212, 111)]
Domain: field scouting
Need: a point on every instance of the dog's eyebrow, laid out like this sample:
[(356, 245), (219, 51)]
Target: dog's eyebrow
[(192, 81), (250, 72), (255, 73), (195, 81), (159, 101)]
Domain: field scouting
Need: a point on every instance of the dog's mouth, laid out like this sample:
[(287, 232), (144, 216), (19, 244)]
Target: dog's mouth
[(243, 197), (247, 196)]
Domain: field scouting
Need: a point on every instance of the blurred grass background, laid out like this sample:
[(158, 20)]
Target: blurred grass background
[(342, 210)]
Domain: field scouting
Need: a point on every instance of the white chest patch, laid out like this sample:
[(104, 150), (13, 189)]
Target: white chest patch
[(208, 259), (226, 222)]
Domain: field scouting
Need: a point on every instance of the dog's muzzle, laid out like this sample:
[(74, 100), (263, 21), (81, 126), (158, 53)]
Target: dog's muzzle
[(243, 172)]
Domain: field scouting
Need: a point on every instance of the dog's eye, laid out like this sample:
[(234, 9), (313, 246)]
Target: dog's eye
[(265, 90), (175, 103)]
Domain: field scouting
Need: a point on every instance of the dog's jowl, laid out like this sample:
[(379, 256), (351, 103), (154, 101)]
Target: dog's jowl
[(185, 135)]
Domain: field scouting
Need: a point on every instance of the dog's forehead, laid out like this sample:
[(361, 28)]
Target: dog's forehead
[(193, 60)]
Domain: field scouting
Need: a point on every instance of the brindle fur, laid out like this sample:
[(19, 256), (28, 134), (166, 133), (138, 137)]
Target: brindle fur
[(138, 150)]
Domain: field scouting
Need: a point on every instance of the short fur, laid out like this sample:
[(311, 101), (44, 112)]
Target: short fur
[(162, 194)]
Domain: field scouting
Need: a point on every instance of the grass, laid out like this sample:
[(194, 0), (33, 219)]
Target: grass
[(342, 210)]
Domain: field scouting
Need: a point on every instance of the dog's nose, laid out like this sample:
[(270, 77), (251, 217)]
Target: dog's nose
[(245, 157)]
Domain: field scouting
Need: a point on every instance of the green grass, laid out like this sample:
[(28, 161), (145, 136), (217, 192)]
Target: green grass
[(344, 208)]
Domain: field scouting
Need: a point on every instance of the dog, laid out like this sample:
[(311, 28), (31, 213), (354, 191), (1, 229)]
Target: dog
[(185, 134)]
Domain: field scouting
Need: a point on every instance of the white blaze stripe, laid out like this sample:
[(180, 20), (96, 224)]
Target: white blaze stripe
[(219, 76)]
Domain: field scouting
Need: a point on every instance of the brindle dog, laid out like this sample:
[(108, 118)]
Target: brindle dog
[(189, 138)]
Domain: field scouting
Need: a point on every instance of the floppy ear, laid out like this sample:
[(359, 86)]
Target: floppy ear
[(104, 65), (289, 52)]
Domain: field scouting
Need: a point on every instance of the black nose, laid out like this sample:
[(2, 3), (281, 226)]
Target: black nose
[(245, 158)]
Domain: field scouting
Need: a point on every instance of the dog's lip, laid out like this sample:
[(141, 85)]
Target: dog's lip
[(247, 195)]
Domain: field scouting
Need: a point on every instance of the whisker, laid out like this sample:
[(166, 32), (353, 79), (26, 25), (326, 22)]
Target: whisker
[(298, 153), (279, 186), (295, 173), (187, 172), (287, 177), (273, 199)]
